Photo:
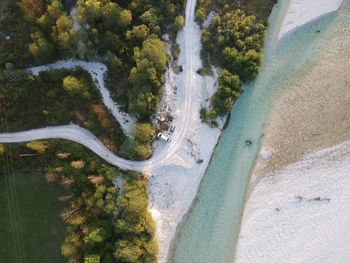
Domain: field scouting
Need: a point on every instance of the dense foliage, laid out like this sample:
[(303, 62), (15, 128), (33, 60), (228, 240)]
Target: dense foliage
[(54, 36), (234, 41), (59, 98), (115, 32), (134, 226), (259, 8), (104, 223), (127, 36), (139, 147)]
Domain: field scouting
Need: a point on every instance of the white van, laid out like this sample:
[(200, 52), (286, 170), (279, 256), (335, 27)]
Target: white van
[(163, 137)]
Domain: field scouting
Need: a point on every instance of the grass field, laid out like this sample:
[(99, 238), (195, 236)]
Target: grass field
[(30, 228)]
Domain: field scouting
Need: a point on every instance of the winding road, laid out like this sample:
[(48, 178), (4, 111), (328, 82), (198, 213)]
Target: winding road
[(97, 71)]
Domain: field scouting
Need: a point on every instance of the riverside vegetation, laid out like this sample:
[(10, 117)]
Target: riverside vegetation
[(233, 41)]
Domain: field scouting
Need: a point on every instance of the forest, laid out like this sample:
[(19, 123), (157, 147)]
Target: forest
[(105, 222), (233, 41)]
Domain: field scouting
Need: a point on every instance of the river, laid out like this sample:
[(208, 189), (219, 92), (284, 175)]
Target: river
[(210, 230)]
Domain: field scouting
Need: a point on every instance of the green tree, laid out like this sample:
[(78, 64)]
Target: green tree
[(178, 23), (41, 49), (144, 132), (64, 34), (140, 32), (153, 49), (200, 15), (228, 91), (75, 86)]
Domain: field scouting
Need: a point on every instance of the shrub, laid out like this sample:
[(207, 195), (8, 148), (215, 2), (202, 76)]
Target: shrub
[(38, 146), (2, 149), (75, 86), (178, 23)]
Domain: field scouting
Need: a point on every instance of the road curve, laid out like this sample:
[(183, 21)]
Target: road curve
[(86, 138)]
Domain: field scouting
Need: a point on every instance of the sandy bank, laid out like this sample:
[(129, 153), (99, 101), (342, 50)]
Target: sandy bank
[(300, 213), (298, 209), (313, 109), (174, 185), (300, 12)]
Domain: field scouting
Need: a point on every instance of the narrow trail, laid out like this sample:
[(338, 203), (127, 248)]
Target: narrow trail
[(86, 138)]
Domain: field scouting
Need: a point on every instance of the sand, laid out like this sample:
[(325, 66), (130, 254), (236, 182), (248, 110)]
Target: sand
[(285, 222), (301, 12), (313, 109)]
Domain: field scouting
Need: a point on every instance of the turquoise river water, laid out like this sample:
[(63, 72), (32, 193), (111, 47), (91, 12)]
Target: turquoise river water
[(210, 231)]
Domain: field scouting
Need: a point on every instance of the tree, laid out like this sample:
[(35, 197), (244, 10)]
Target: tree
[(228, 91), (229, 80), (41, 49), (144, 132), (38, 146), (150, 18), (75, 86), (128, 251), (32, 9), (2, 149), (144, 105), (200, 15), (178, 23), (153, 49), (95, 237), (64, 34), (125, 18), (140, 32), (134, 224)]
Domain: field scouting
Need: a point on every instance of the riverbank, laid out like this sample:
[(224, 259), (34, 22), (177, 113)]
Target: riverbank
[(312, 111), (301, 12), (174, 185), (298, 200), (300, 212)]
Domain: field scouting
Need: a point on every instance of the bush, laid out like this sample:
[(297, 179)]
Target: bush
[(140, 146), (2, 149), (75, 86), (228, 91), (179, 23), (38, 146)]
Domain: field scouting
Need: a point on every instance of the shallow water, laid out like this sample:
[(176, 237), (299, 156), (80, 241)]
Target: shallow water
[(210, 231)]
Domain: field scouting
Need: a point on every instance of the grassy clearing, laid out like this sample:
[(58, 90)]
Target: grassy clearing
[(36, 232)]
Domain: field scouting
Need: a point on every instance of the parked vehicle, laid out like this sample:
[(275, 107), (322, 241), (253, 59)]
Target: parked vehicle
[(163, 137), (172, 128)]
